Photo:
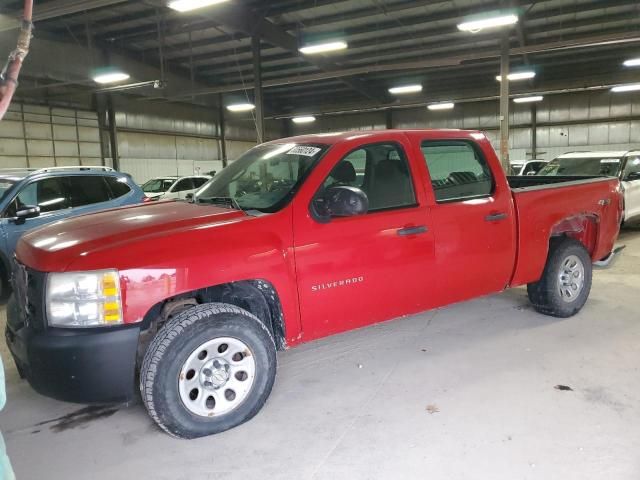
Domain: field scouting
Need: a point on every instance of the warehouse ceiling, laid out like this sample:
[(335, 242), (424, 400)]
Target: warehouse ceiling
[(571, 44)]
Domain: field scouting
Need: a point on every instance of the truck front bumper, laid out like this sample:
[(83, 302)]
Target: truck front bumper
[(81, 366)]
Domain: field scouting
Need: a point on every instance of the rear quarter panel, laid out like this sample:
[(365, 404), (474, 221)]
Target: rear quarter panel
[(541, 211)]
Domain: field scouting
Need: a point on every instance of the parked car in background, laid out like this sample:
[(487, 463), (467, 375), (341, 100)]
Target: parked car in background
[(164, 188), (527, 167), (32, 198), (624, 165), (288, 244)]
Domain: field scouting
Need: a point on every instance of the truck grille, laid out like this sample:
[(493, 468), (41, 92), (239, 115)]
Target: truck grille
[(28, 288)]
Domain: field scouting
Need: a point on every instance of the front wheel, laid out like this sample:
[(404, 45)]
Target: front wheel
[(565, 284), (209, 369)]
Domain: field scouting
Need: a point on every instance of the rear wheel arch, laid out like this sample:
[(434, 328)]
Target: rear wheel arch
[(583, 228)]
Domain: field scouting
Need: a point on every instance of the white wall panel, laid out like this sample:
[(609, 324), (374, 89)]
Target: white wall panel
[(48, 137), (10, 128)]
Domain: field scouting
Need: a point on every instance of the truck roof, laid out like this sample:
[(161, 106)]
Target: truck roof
[(331, 138)]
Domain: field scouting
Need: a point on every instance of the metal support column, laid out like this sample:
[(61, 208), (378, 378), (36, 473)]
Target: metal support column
[(534, 131), (98, 105), (286, 127), (389, 119), (257, 79), (221, 131), (113, 134), (504, 102)]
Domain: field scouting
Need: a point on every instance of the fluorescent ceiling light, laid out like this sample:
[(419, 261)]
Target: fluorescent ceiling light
[(188, 5), (534, 98), (632, 87), (475, 26), (323, 47), (405, 89), (241, 107), (441, 106), (632, 62), (517, 76), (110, 77), (305, 119)]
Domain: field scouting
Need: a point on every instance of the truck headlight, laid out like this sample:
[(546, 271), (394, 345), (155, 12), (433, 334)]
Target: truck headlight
[(84, 299)]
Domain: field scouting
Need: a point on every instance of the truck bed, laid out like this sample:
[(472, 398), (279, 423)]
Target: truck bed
[(585, 208), (530, 181)]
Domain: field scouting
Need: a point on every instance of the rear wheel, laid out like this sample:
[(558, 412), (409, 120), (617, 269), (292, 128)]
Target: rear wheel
[(209, 369), (565, 284)]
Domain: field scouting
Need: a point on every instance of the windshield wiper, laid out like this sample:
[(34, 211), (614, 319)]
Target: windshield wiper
[(228, 202)]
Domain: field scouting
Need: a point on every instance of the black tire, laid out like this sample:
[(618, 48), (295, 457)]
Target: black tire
[(545, 294), (177, 340)]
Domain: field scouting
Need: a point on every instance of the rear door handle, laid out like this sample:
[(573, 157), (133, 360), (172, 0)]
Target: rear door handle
[(495, 217), (403, 232)]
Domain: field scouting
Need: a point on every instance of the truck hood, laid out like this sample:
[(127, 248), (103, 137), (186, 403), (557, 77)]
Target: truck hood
[(53, 247)]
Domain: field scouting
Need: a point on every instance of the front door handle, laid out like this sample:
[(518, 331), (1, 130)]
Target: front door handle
[(403, 232), (495, 217)]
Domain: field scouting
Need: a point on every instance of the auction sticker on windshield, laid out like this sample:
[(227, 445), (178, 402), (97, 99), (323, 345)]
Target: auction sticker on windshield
[(304, 151)]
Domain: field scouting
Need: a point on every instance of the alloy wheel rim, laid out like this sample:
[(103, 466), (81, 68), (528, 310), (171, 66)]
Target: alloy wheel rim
[(217, 377), (571, 278)]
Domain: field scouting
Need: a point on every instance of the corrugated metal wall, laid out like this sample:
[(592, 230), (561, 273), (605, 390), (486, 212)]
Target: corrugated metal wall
[(580, 121), (155, 140), (37, 136), (161, 139)]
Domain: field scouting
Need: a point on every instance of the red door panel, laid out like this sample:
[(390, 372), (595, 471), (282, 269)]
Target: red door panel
[(364, 269), (472, 216), (360, 270)]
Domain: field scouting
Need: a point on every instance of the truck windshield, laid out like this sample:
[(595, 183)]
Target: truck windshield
[(583, 166), (265, 178)]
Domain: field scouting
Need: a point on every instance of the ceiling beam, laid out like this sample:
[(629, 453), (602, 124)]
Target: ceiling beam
[(451, 60), (247, 21), (50, 60), (427, 36), (54, 9)]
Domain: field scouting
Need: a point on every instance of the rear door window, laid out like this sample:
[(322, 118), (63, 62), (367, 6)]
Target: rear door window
[(118, 186), (182, 185), (87, 190), (198, 182), (458, 171)]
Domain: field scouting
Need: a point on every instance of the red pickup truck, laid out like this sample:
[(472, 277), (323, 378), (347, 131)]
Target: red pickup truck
[(298, 239)]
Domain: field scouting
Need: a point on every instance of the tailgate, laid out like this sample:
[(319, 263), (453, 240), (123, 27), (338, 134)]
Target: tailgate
[(588, 210)]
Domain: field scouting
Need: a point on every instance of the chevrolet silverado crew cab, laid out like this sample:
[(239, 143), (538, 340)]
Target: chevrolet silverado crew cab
[(297, 239)]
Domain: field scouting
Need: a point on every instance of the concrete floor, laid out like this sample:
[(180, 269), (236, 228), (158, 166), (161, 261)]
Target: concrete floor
[(460, 393)]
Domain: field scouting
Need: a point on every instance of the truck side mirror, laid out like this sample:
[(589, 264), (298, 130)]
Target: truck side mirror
[(25, 212), (189, 197), (340, 201)]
